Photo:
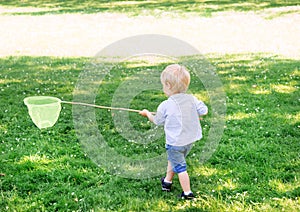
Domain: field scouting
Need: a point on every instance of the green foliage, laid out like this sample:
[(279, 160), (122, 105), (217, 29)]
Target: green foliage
[(200, 7), (256, 166)]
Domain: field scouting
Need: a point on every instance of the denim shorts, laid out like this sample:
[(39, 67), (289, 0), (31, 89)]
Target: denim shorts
[(176, 156)]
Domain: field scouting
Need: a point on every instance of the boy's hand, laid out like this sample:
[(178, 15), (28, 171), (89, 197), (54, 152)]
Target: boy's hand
[(144, 113), (147, 114)]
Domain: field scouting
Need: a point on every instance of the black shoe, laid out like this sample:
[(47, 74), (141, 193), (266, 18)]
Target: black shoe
[(190, 196), (165, 186)]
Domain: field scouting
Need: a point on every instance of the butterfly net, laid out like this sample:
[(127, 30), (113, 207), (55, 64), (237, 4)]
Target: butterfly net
[(43, 110)]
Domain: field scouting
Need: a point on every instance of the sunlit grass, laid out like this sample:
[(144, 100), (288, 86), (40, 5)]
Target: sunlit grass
[(206, 171), (5, 81), (283, 187), (283, 88), (240, 116), (260, 91), (147, 60), (35, 159)]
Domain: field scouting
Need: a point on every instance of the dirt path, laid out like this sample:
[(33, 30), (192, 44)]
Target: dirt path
[(85, 35)]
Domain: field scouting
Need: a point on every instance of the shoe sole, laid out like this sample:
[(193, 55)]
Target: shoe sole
[(166, 189)]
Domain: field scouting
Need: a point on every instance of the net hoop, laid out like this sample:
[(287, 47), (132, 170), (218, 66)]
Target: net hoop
[(43, 110)]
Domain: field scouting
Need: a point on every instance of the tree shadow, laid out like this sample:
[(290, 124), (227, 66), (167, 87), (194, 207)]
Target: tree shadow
[(204, 8)]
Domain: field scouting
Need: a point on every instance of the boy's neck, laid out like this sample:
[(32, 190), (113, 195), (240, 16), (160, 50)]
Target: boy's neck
[(175, 94)]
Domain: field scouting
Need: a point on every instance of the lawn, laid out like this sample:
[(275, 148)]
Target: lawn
[(256, 166)]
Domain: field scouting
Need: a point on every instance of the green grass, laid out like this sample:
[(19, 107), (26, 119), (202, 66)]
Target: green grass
[(200, 7), (255, 168)]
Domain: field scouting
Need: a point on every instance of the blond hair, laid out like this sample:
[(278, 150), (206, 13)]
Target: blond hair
[(177, 77)]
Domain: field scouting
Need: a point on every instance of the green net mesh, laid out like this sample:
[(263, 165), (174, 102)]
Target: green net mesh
[(43, 110)]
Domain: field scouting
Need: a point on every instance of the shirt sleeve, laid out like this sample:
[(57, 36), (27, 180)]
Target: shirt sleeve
[(160, 117), (201, 107)]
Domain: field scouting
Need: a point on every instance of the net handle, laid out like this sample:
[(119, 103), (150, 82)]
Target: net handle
[(102, 107)]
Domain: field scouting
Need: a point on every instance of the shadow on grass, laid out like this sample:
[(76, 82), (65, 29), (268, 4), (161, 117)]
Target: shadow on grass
[(203, 8), (256, 165)]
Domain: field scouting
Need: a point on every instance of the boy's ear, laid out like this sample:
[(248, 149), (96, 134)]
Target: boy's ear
[(169, 86)]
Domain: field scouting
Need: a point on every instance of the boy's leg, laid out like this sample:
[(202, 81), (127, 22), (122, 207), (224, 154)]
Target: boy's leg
[(184, 180), (166, 182), (170, 174)]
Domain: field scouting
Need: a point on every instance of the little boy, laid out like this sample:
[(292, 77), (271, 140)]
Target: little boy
[(180, 116)]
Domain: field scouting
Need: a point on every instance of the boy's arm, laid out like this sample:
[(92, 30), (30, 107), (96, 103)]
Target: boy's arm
[(158, 117), (147, 114), (202, 110), (201, 107)]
